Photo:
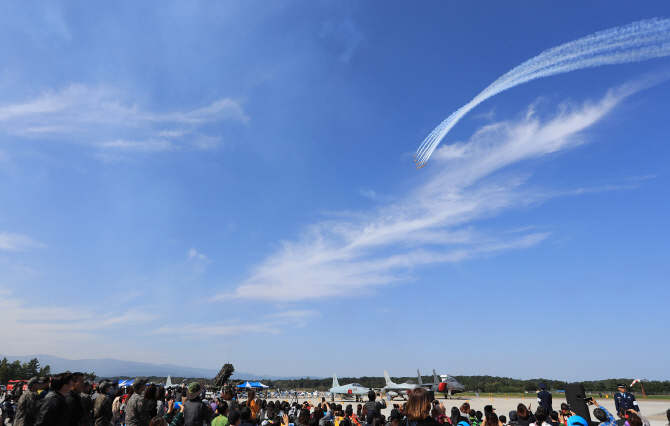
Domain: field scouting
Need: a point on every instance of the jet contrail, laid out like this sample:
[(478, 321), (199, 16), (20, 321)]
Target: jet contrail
[(634, 42)]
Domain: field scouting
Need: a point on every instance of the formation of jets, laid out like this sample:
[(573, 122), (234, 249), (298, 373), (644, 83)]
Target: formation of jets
[(443, 383)]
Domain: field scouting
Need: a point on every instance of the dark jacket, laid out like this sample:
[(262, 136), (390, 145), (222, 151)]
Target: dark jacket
[(87, 405), (428, 421), (53, 411), (525, 421), (152, 407), (73, 400), (625, 401), (544, 399), (195, 412)]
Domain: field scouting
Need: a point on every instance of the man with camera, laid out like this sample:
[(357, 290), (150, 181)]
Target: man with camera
[(604, 417)]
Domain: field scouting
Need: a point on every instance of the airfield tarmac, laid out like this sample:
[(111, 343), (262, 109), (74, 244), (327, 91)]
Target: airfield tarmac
[(654, 410)]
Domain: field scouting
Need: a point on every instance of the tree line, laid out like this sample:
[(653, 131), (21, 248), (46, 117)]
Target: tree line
[(18, 370)]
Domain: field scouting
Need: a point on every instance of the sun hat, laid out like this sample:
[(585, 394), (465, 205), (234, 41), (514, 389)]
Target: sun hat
[(193, 390)]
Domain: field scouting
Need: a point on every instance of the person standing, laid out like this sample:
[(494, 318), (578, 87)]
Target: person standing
[(54, 410), (73, 399), (196, 413), (17, 390), (26, 408), (601, 413), (624, 401), (87, 406), (253, 404), (544, 398), (102, 410), (221, 418), (136, 411)]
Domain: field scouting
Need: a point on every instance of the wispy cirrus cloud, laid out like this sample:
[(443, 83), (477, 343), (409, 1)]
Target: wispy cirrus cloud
[(432, 224), (104, 118), (201, 330), (197, 262), (17, 242), (28, 324)]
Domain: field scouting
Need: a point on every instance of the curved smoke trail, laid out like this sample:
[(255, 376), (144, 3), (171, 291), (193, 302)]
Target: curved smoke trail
[(634, 42)]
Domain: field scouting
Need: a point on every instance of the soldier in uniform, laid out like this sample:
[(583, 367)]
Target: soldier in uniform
[(26, 408), (102, 412), (544, 398), (624, 401), (137, 413)]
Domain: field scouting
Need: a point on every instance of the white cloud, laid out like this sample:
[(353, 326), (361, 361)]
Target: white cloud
[(144, 146), (28, 325), (198, 262), (17, 242), (214, 329), (430, 225), (296, 315), (103, 118)]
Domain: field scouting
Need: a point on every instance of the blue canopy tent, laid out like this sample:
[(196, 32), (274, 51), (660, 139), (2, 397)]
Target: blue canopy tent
[(256, 385), (123, 383)]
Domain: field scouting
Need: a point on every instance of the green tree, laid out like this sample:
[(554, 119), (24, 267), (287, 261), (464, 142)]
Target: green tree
[(4, 371), (32, 368), (15, 370), (45, 371)]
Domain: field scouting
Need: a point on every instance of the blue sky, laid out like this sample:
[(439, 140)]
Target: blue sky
[(210, 180)]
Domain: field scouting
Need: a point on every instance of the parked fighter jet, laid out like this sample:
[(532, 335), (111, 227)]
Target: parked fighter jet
[(447, 384), (353, 389), (397, 389)]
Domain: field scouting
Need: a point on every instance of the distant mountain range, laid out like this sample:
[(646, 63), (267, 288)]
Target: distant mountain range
[(108, 367)]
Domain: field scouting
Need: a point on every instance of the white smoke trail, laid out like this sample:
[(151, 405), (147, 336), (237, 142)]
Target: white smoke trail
[(634, 42)]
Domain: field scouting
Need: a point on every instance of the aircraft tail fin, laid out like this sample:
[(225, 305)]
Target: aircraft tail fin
[(335, 382), (388, 379), (418, 373), (435, 378)]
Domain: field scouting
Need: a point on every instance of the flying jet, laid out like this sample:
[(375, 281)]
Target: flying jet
[(445, 383), (397, 389), (352, 389)]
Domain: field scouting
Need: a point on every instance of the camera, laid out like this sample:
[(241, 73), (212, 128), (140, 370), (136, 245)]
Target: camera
[(589, 400)]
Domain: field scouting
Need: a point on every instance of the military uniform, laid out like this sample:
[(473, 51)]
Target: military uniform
[(26, 409), (625, 401), (102, 412), (136, 411)]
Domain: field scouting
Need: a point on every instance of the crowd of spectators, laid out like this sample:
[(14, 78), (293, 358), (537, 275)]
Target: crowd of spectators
[(68, 400)]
